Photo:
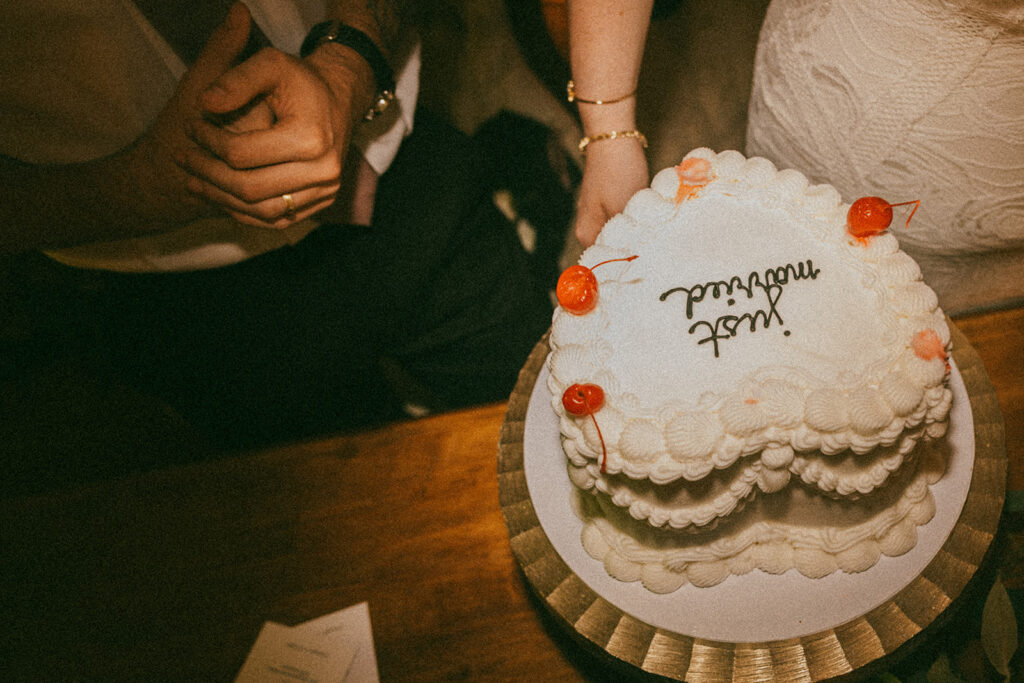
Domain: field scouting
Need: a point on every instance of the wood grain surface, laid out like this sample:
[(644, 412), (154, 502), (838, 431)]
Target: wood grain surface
[(169, 575)]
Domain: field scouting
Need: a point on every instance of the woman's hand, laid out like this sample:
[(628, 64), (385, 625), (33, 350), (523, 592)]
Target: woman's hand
[(615, 170)]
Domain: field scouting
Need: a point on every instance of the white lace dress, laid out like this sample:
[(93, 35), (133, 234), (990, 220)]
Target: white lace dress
[(917, 99)]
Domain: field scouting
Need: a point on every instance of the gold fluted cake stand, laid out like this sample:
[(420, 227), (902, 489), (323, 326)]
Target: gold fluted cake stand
[(834, 652)]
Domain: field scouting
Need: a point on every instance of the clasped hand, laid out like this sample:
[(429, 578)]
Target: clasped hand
[(272, 133)]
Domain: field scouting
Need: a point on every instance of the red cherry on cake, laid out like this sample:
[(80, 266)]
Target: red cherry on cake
[(583, 399), (577, 287), (577, 290), (587, 399), (870, 216)]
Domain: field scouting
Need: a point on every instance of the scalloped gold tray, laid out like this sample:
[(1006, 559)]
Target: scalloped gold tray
[(832, 652)]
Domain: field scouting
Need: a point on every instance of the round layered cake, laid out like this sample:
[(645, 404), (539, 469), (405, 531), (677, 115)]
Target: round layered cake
[(750, 380)]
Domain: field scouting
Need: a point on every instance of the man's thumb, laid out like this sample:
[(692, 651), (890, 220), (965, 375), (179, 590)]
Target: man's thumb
[(223, 47)]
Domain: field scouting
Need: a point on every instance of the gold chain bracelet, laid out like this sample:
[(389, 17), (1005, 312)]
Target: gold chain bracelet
[(570, 94), (612, 135)]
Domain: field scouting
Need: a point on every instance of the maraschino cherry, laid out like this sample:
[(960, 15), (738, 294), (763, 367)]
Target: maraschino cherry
[(577, 287), (587, 399), (870, 216)]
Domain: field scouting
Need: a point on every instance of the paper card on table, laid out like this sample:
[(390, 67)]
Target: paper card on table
[(352, 625), (283, 654)]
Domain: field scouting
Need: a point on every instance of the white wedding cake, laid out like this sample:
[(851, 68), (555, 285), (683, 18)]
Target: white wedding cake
[(746, 377)]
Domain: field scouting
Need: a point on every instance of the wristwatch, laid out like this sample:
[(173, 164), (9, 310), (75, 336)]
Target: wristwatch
[(343, 34)]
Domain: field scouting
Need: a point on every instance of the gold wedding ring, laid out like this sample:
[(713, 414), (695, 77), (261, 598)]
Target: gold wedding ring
[(289, 205)]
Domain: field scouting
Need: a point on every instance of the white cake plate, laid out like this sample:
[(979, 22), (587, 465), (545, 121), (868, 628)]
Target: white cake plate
[(784, 626)]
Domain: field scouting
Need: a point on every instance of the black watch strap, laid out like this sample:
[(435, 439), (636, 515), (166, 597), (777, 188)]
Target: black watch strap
[(337, 32)]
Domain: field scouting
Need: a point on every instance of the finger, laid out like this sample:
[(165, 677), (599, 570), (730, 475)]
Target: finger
[(271, 208), (256, 184), (586, 233), (278, 208), (588, 224), (283, 221), (256, 76), (287, 140), (222, 48), (257, 116)]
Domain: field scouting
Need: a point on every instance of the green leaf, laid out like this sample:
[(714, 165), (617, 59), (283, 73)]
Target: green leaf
[(999, 628), (942, 672)]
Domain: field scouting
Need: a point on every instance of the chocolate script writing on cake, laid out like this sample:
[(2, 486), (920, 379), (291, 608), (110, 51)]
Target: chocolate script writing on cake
[(771, 283)]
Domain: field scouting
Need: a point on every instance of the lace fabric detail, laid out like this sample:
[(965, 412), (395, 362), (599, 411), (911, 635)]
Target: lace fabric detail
[(1009, 13), (914, 100)]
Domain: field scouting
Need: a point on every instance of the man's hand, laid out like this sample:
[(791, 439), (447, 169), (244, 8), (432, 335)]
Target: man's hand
[(314, 104), (157, 162), (138, 190)]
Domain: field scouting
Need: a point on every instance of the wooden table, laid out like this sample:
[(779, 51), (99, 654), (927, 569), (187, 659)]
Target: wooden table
[(170, 574)]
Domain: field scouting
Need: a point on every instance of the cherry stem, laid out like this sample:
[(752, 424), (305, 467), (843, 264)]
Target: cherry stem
[(613, 260), (916, 203), (590, 412)]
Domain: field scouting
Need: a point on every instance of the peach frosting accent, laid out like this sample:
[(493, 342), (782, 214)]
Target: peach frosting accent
[(694, 173), (928, 346)]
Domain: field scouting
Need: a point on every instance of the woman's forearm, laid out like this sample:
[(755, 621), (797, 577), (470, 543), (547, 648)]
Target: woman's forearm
[(606, 45)]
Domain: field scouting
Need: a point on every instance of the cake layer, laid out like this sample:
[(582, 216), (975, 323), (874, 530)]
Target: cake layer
[(684, 504), (799, 528)]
